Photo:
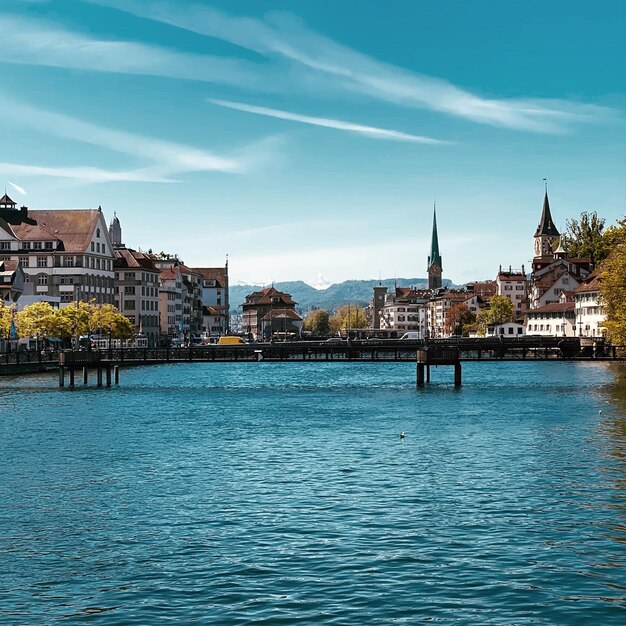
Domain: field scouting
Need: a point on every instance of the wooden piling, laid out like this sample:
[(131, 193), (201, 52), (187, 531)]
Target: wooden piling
[(457, 374), (108, 374), (116, 374), (99, 376), (71, 376), (61, 376), (85, 376)]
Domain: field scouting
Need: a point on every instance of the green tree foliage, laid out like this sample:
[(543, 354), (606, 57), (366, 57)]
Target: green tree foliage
[(500, 311), (348, 317), (317, 322), (459, 319), (613, 284), (584, 237)]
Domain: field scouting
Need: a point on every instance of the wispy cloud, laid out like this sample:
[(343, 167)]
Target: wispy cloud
[(165, 159), (17, 188), (284, 37), (359, 129), (85, 174), (38, 42)]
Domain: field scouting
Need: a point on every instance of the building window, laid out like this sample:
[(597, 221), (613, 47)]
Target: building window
[(129, 305), (5, 245), (42, 279), (98, 233), (129, 275), (42, 261), (68, 261), (26, 245), (92, 246), (37, 245), (23, 261), (48, 245), (129, 291), (97, 247)]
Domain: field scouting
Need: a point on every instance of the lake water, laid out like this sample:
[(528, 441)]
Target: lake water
[(261, 493)]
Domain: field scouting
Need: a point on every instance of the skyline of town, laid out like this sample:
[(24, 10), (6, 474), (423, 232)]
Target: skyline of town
[(309, 141)]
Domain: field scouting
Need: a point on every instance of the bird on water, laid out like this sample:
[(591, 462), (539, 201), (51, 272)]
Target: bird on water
[(402, 435)]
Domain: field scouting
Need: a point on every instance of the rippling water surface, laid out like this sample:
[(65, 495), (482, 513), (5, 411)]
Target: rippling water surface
[(282, 493)]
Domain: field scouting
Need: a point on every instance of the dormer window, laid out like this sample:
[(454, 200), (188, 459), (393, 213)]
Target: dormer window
[(275, 299), (48, 245)]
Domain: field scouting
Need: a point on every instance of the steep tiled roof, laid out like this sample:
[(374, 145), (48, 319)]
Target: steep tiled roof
[(74, 227), (265, 297), (6, 200), (280, 313), (213, 310), (212, 273), (591, 284), (127, 257)]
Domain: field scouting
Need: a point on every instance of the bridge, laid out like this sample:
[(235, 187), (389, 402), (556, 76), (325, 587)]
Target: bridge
[(335, 350)]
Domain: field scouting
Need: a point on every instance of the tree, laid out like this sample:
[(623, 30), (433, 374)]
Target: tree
[(73, 321), (613, 285), (458, 319), (348, 317), (36, 320), (500, 311), (317, 322), (6, 319), (584, 238)]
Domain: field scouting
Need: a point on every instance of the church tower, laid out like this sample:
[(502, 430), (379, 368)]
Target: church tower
[(115, 231), (435, 267), (547, 237)]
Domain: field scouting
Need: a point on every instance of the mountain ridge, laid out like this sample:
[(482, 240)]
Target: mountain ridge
[(357, 292)]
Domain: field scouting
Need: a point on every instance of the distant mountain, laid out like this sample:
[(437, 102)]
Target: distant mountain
[(348, 292)]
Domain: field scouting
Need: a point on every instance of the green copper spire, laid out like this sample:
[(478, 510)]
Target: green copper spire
[(434, 257)]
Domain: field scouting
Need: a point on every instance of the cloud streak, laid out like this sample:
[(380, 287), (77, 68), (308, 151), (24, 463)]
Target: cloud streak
[(284, 38), (359, 129), (38, 42), (17, 188), (166, 158)]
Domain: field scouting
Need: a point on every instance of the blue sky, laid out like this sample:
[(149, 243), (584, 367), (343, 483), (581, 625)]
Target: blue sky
[(307, 140)]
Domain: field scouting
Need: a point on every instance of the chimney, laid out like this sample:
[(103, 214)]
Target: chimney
[(24, 211)]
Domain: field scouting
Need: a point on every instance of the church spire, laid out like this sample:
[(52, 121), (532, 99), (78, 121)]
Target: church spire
[(434, 259), (546, 225)]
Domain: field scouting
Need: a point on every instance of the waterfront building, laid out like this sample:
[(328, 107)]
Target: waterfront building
[(11, 281), (282, 323), (405, 310), (513, 284), (137, 290), (65, 253), (192, 301), (435, 265), (258, 304), (557, 319), (508, 329), (438, 306), (171, 302), (588, 308), (214, 296)]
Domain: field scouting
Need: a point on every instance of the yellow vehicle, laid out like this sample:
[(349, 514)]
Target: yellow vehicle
[(230, 341)]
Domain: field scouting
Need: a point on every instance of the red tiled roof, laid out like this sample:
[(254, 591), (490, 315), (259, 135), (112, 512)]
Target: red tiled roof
[(127, 257), (591, 284), (74, 227), (556, 307), (218, 274), (215, 310), (6, 200), (265, 297)]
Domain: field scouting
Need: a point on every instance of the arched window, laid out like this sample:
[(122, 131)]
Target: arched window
[(98, 233)]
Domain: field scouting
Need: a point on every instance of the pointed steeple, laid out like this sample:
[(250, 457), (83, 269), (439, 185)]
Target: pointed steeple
[(546, 225), (435, 265)]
